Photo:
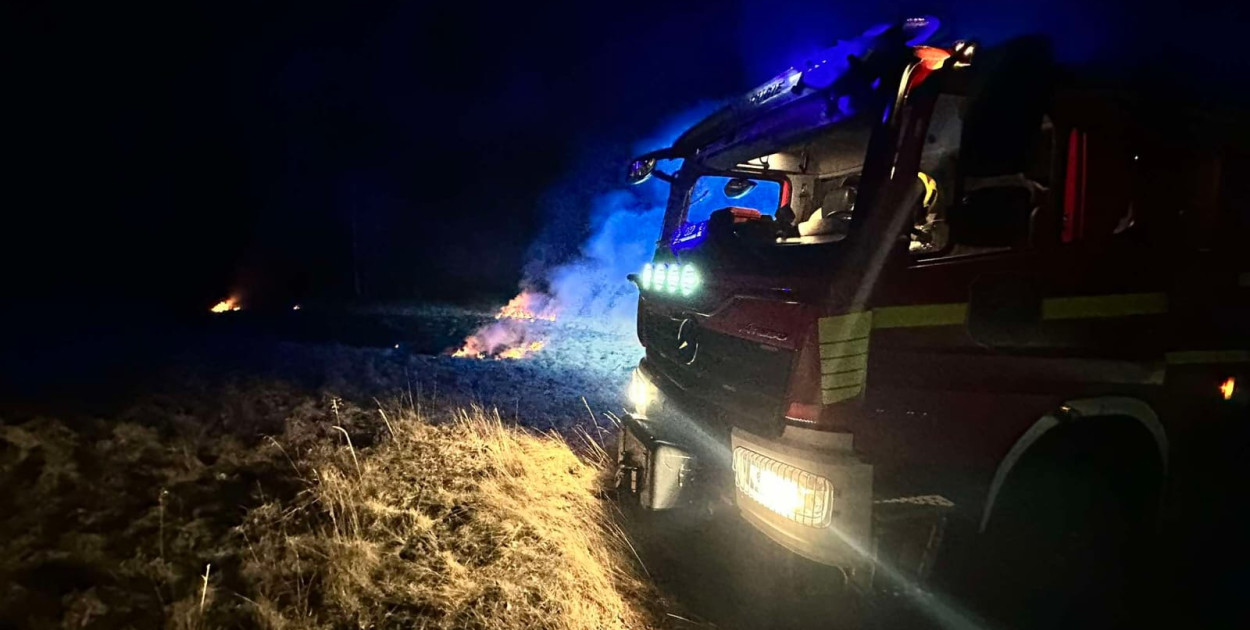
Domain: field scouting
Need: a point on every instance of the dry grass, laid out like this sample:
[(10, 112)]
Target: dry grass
[(469, 524), (348, 518)]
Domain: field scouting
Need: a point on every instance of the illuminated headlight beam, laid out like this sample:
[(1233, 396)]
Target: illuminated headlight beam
[(642, 394)]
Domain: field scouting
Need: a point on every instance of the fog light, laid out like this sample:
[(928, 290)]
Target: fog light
[(689, 280), (674, 278), (793, 493), (642, 394)]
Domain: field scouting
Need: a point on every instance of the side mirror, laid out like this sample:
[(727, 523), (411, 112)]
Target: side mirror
[(738, 187), (640, 170)]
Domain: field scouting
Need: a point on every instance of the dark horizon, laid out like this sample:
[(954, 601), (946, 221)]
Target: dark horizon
[(172, 155)]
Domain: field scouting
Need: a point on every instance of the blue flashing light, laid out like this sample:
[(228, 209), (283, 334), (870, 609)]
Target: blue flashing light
[(917, 29), (920, 29)]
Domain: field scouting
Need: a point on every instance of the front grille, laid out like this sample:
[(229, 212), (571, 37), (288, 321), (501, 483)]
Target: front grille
[(753, 372), (796, 494)]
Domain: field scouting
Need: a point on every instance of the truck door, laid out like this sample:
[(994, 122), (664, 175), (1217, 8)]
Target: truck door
[(960, 300)]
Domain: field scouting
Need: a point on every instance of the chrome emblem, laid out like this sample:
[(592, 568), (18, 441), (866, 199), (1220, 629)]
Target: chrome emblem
[(764, 333)]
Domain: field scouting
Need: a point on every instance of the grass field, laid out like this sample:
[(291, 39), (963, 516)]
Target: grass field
[(239, 473), (320, 514)]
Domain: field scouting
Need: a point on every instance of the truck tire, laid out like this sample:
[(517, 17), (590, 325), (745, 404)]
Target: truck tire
[(1068, 542)]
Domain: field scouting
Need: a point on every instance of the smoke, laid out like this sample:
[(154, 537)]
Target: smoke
[(623, 223), (619, 225)]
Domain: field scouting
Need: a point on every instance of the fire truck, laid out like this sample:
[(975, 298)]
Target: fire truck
[(912, 297)]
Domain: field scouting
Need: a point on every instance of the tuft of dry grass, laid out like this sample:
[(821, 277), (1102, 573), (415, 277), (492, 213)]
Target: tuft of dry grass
[(347, 517), (465, 524)]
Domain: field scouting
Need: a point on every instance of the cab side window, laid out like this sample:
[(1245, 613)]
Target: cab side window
[(966, 207), (938, 173), (999, 197), (1003, 192)]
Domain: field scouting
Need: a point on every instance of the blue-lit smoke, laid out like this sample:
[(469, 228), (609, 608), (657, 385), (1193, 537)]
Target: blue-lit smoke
[(624, 223)]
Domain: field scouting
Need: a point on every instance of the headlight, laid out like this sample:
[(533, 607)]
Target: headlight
[(648, 270), (793, 493), (642, 394)]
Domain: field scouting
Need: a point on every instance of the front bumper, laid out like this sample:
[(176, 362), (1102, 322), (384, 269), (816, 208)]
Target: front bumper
[(809, 492)]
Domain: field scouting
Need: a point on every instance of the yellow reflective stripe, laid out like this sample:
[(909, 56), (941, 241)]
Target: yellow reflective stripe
[(920, 315), (844, 338), (1094, 306), (843, 348), (844, 355), (843, 364), (830, 396), (1207, 356), (842, 379), (845, 327)]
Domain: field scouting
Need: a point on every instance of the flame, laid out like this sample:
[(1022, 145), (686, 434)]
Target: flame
[(518, 352), (1228, 387), (229, 304), (470, 350), (510, 336), (528, 306)]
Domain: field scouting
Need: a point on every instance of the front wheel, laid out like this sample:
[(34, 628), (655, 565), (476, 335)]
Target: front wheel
[(1069, 540)]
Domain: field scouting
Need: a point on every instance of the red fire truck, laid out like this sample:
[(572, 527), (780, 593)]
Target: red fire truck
[(908, 291)]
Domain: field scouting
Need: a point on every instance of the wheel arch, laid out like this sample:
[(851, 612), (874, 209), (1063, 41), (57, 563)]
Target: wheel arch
[(1081, 410)]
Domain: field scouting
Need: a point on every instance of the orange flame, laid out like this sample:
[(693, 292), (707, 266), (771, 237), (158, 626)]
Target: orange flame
[(229, 304), (469, 351), (528, 306), (519, 352), (510, 336)]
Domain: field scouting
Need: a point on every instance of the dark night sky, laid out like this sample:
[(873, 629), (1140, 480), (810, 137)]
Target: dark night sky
[(170, 152)]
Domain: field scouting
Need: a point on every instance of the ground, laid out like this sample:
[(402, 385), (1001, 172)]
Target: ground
[(129, 430), (315, 468), (258, 470)]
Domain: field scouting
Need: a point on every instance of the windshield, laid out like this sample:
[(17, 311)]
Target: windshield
[(802, 194), (714, 192)]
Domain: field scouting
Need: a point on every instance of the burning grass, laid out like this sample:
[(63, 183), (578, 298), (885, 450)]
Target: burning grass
[(227, 305), (512, 335), (346, 517)]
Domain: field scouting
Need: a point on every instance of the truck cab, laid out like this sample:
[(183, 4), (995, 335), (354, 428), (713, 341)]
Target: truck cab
[(906, 276)]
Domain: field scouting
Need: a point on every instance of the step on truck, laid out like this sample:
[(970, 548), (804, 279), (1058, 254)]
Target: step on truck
[(914, 296)]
